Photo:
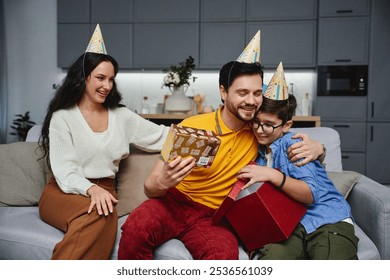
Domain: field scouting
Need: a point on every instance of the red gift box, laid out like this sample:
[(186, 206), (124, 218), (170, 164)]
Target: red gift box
[(260, 214)]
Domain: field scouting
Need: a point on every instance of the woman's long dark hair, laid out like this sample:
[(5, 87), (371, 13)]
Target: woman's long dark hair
[(72, 89)]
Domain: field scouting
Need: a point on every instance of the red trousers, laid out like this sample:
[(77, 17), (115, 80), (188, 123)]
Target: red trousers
[(87, 236), (175, 216)]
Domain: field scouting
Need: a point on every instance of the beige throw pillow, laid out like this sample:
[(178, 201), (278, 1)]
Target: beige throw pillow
[(344, 180), (132, 174), (22, 175)]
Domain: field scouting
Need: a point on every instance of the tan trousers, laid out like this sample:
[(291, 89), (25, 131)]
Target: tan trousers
[(87, 236)]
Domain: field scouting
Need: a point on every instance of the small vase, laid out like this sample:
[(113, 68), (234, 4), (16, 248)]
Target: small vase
[(178, 102)]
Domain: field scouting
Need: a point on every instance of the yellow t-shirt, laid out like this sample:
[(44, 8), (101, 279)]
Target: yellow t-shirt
[(209, 186)]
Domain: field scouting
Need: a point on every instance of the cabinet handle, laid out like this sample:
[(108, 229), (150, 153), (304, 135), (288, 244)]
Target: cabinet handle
[(372, 134), (344, 11), (346, 157), (341, 125), (342, 60), (372, 109)]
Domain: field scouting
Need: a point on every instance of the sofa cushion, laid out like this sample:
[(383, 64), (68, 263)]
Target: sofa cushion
[(344, 181), (331, 139), (22, 175), (132, 174)]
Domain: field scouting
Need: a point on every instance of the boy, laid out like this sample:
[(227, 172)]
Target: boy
[(326, 231)]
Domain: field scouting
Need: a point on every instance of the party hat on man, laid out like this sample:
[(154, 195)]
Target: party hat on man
[(277, 88), (251, 54), (96, 44)]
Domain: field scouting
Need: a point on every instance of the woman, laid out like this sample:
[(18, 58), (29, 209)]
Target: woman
[(85, 134)]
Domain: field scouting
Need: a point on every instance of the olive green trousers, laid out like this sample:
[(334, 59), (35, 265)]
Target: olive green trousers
[(328, 242)]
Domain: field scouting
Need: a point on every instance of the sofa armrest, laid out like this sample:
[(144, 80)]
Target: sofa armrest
[(370, 205)]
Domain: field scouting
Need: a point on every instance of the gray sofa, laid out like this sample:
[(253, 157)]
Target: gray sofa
[(24, 236)]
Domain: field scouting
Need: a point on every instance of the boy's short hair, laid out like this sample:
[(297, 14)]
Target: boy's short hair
[(284, 109)]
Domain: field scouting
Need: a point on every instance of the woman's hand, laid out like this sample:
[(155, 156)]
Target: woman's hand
[(307, 149), (102, 199)]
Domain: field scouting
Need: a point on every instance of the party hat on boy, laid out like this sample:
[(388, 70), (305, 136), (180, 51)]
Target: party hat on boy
[(277, 88), (251, 54), (96, 44)]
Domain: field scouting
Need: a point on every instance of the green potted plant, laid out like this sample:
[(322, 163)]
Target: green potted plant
[(21, 125)]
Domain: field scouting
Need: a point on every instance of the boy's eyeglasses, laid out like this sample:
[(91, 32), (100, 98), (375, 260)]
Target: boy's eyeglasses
[(267, 128)]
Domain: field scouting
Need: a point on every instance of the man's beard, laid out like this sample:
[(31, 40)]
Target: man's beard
[(235, 111)]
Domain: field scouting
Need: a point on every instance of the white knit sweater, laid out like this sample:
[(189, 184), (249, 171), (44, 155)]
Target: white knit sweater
[(78, 153)]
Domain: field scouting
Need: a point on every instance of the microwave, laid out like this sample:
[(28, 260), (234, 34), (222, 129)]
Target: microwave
[(345, 80)]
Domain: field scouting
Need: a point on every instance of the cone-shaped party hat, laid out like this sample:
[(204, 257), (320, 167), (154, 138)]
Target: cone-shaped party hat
[(277, 88), (96, 44), (251, 53)]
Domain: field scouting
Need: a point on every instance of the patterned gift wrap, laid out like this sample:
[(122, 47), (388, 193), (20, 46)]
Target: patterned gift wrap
[(188, 141)]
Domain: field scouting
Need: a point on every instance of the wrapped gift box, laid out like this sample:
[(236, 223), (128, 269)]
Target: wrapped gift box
[(187, 141), (260, 214)]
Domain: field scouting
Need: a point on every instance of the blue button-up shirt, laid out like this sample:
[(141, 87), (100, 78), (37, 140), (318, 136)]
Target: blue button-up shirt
[(329, 205)]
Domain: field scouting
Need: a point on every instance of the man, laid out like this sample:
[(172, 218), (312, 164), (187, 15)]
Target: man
[(183, 198)]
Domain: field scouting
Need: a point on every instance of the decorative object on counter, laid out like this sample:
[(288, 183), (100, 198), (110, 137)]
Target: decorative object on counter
[(198, 99), (207, 109), (145, 106), (177, 80), (22, 125), (306, 105)]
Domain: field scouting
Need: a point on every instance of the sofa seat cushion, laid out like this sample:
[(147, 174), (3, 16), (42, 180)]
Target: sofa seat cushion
[(24, 236)]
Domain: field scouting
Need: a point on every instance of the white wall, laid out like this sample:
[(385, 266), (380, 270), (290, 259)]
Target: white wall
[(31, 41)]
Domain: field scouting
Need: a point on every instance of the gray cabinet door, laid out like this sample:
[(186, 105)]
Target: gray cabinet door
[(159, 45), (166, 11), (378, 152), (217, 46), (344, 8), (352, 135), (379, 67), (72, 40), (73, 11), (292, 42), (341, 108), (222, 10), (119, 11), (354, 161), (118, 41), (343, 41), (281, 9)]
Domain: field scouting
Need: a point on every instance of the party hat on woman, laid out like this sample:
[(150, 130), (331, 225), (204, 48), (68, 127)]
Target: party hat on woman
[(96, 44)]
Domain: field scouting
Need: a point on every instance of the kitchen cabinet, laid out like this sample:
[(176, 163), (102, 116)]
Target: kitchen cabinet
[(159, 45), (342, 8), (216, 44), (292, 42), (228, 10), (343, 41), (378, 125), (69, 48), (118, 11), (347, 115), (166, 11), (344, 108), (281, 10), (118, 39), (378, 152), (379, 67), (73, 11)]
